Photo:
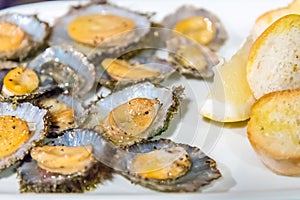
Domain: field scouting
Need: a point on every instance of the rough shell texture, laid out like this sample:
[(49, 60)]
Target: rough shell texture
[(60, 35), (36, 32), (192, 58), (41, 92), (202, 172), (32, 115), (34, 179), (78, 108), (68, 66), (76, 104), (189, 11), (170, 100)]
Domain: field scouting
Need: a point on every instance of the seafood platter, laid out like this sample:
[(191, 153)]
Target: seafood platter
[(110, 98)]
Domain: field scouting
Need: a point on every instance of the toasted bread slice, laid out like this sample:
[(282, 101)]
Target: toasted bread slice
[(274, 59), (267, 18), (274, 131)]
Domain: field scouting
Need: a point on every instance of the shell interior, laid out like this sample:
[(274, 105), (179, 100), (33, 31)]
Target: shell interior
[(102, 148), (76, 104), (60, 35), (169, 102), (191, 57), (34, 179), (36, 30), (65, 66), (150, 59), (34, 116), (72, 102), (202, 172)]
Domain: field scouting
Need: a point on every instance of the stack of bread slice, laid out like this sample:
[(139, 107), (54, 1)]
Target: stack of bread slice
[(269, 85), (273, 73), (233, 92)]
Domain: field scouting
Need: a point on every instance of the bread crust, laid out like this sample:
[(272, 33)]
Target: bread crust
[(269, 17), (274, 131), (274, 59)]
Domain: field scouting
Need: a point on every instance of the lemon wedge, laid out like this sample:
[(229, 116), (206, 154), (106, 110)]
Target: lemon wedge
[(230, 99), (266, 19)]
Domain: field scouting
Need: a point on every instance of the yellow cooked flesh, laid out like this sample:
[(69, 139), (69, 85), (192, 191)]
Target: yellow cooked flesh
[(93, 29), (135, 116), (20, 81), (11, 36), (61, 115), (198, 28), (162, 164), (122, 70), (14, 132), (63, 159)]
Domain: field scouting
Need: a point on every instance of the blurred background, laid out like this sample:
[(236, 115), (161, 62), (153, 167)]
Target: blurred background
[(9, 3)]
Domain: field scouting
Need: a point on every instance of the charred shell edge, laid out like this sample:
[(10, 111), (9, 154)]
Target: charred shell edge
[(42, 92), (76, 104), (92, 52), (75, 184), (32, 142), (35, 43), (179, 184), (78, 182), (85, 67)]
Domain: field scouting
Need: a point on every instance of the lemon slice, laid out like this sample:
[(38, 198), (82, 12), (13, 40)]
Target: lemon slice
[(266, 19), (274, 62), (20, 81), (230, 99)]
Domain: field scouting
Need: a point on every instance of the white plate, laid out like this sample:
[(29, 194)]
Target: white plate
[(244, 176)]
